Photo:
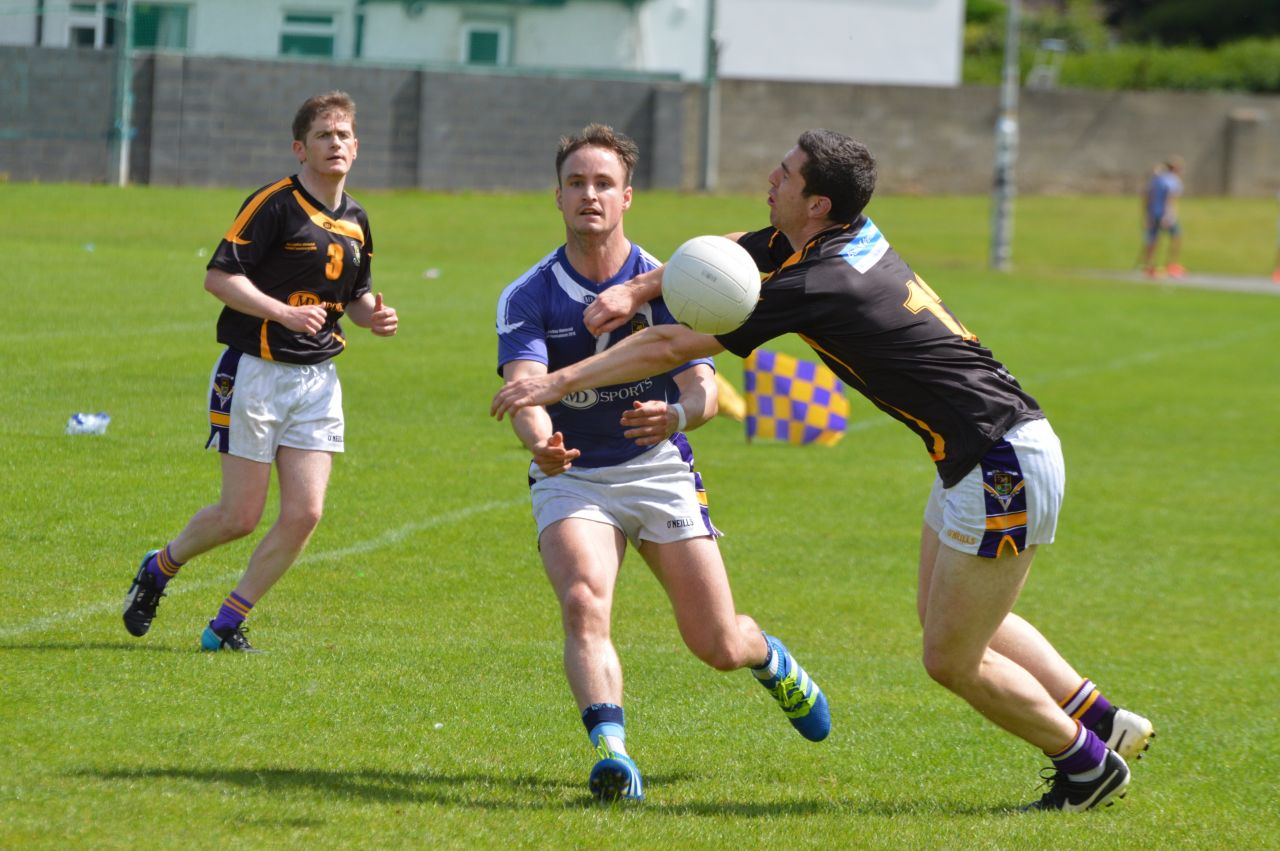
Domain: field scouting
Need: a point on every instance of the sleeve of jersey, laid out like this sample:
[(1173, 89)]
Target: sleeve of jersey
[(364, 277), (250, 236), (520, 327)]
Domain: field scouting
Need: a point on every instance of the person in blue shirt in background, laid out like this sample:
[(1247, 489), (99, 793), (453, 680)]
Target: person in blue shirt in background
[(612, 465), (1160, 210)]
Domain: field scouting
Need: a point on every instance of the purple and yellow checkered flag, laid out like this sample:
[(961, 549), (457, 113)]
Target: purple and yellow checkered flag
[(794, 400)]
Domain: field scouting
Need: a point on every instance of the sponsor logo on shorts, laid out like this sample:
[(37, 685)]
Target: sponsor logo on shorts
[(961, 537), (334, 438), (680, 523)]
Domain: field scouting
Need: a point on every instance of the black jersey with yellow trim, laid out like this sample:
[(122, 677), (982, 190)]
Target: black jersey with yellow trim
[(295, 250), (885, 332)]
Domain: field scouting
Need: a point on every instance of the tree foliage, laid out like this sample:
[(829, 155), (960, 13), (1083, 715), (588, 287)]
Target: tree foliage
[(1189, 45), (1193, 22)]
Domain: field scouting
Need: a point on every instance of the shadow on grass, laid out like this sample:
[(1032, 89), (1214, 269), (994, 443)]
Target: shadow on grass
[(507, 791)]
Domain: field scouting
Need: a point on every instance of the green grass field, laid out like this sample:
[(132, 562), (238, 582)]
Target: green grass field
[(412, 693)]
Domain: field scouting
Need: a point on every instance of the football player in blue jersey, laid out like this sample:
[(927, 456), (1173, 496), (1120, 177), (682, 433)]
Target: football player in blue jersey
[(293, 262), (833, 278), (612, 465)]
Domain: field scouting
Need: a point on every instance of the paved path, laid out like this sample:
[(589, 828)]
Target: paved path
[(1233, 283)]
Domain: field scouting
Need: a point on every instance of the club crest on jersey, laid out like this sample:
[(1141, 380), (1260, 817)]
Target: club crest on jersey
[(638, 323), (355, 251), (223, 385), (1004, 486)]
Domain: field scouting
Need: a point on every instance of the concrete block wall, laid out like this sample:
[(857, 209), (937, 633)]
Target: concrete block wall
[(202, 121), (55, 114), (490, 132), (941, 141)]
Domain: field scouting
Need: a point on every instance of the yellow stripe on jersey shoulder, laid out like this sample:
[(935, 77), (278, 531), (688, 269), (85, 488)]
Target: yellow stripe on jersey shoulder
[(233, 235), (323, 220)]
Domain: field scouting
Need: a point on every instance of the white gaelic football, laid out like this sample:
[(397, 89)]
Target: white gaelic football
[(711, 284)]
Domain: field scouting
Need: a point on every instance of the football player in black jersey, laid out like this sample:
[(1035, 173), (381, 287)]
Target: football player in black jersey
[(831, 277), (293, 262)]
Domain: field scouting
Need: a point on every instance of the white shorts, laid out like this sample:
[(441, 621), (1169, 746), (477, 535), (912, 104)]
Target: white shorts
[(256, 406), (1010, 499), (655, 497)]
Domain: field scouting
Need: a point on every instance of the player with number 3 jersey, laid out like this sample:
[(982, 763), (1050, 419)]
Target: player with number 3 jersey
[(295, 259)]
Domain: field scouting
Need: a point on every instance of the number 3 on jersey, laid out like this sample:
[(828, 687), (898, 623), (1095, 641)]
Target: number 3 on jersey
[(920, 296), (333, 269)]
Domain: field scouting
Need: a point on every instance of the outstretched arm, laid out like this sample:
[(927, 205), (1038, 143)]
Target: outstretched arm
[(618, 304), (654, 350)]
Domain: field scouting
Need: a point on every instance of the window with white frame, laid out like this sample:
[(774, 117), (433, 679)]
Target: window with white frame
[(486, 42), (308, 34), (86, 26)]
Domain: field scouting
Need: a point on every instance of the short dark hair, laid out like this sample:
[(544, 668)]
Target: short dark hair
[(600, 136), (839, 168), (318, 105)]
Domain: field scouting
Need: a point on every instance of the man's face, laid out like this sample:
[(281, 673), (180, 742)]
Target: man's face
[(788, 205), (593, 192), (330, 146)]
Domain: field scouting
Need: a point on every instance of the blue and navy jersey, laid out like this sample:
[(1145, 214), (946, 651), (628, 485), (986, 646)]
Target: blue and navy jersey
[(886, 334), (540, 319)]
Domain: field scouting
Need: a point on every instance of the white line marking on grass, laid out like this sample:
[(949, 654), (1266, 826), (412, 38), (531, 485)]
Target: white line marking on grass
[(386, 539), (395, 536)]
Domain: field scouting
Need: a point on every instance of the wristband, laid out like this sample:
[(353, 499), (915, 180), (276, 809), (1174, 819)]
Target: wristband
[(681, 420)]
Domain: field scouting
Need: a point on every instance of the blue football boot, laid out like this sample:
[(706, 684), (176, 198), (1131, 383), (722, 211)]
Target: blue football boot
[(801, 700), (615, 777)]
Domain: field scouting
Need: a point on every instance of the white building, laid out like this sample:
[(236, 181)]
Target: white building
[(905, 42)]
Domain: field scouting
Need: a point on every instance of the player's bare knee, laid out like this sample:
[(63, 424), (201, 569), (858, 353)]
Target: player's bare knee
[(944, 669), (719, 652), (302, 519), (237, 522), (584, 612)]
